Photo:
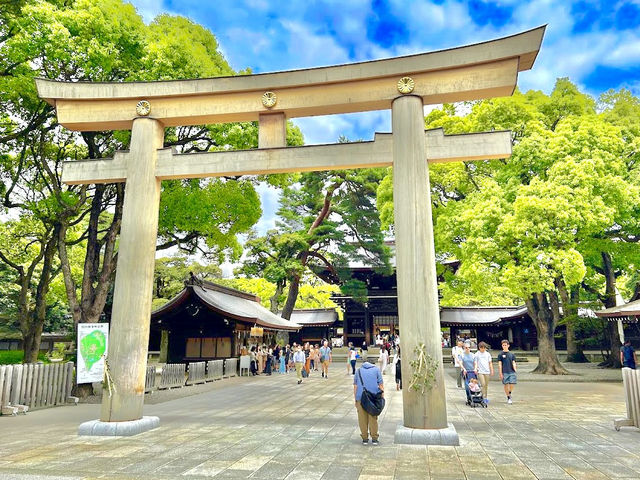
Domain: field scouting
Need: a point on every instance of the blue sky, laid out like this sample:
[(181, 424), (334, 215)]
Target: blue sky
[(594, 43)]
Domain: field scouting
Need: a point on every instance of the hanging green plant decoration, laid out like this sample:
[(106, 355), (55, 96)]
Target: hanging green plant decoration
[(424, 368)]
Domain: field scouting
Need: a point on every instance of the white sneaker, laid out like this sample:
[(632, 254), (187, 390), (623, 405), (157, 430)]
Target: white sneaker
[(509, 401)]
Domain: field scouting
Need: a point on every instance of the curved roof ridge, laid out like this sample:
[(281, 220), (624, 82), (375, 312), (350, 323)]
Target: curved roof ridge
[(229, 302), (242, 308), (495, 307), (230, 290), (326, 309), (523, 45)]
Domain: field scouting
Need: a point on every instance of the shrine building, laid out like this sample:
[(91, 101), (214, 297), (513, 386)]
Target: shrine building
[(207, 321), (379, 314)]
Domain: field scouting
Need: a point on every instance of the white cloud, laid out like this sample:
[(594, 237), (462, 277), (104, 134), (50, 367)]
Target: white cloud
[(269, 198), (258, 42), (323, 129), (354, 126), (625, 52), (309, 49)]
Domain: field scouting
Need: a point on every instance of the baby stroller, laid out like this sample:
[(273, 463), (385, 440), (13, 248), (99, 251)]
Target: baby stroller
[(477, 399), (474, 399)]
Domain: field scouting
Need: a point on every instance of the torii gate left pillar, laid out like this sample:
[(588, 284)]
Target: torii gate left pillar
[(128, 346), (478, 71)]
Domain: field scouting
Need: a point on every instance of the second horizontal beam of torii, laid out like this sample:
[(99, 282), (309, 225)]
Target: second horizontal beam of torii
[(377, 153)]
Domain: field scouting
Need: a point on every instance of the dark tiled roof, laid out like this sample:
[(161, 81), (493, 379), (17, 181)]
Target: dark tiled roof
[(317, 317), (229, 302), (479, 315)]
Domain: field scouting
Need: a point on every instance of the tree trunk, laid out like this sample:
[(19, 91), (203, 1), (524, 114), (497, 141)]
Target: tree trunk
[(31, 342), (42, 289), (547, 358), (609, 300), (292, 296), (613, 360), (69, 284), (164, 346), (100, 260), (541, 312), (575, 353), (570, 300), (32, 304), (274, 300)]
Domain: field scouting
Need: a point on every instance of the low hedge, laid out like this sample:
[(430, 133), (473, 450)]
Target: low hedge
[(9, 357)]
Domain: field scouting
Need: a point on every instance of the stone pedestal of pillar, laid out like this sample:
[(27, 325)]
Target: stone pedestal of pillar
[(96, 428), (427, 436)]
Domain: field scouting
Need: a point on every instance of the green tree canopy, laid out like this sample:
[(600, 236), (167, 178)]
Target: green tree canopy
[(106, 40), (531, 228)]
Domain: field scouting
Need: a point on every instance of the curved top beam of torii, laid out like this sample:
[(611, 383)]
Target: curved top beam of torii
[(483, 70)]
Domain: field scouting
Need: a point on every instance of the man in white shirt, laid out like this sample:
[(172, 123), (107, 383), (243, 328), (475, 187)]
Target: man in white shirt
[(456, 352), (484, 366)]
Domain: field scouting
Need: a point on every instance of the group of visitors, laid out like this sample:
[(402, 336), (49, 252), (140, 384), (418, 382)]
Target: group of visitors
[(265, 360), (353, 354), (475, 369), (389, 341)]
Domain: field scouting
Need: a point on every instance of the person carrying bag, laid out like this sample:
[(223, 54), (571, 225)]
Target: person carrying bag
[(368, 390)]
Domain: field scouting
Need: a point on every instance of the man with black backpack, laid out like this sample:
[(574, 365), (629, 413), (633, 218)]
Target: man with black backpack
[(368, 390)]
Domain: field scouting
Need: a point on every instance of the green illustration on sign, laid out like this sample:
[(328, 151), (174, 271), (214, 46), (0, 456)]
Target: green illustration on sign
[(92, 347)]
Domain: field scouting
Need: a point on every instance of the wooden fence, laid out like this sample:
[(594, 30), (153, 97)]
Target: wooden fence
[(215, 370), (173, 375), (38, 385), (230, 367), (35, 385), (197, 373), (150, 379)]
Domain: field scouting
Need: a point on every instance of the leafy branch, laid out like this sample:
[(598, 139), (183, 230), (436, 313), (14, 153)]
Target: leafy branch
[(424, 370)]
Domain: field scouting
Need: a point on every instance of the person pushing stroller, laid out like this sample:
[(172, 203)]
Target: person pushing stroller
[(469, 369)]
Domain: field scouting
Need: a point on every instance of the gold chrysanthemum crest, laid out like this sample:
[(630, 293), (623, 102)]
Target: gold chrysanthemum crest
[(269, 99), (143, 108), (406, 85)]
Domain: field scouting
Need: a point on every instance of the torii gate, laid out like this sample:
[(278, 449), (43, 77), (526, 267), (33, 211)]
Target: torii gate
[(404, 84)]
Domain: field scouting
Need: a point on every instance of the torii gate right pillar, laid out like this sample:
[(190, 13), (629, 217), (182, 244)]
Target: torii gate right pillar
[(425, 415)]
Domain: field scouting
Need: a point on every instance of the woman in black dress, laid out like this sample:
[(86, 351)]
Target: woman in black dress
[(398, 370), (267, 366)]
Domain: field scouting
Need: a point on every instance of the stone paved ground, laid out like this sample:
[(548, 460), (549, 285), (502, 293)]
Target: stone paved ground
[(271, 428), (578, 372)]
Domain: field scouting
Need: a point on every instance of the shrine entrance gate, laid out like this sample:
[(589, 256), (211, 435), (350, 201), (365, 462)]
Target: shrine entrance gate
[(403, 84)]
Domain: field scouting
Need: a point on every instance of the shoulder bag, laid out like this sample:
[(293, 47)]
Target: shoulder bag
[(373, 403)]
